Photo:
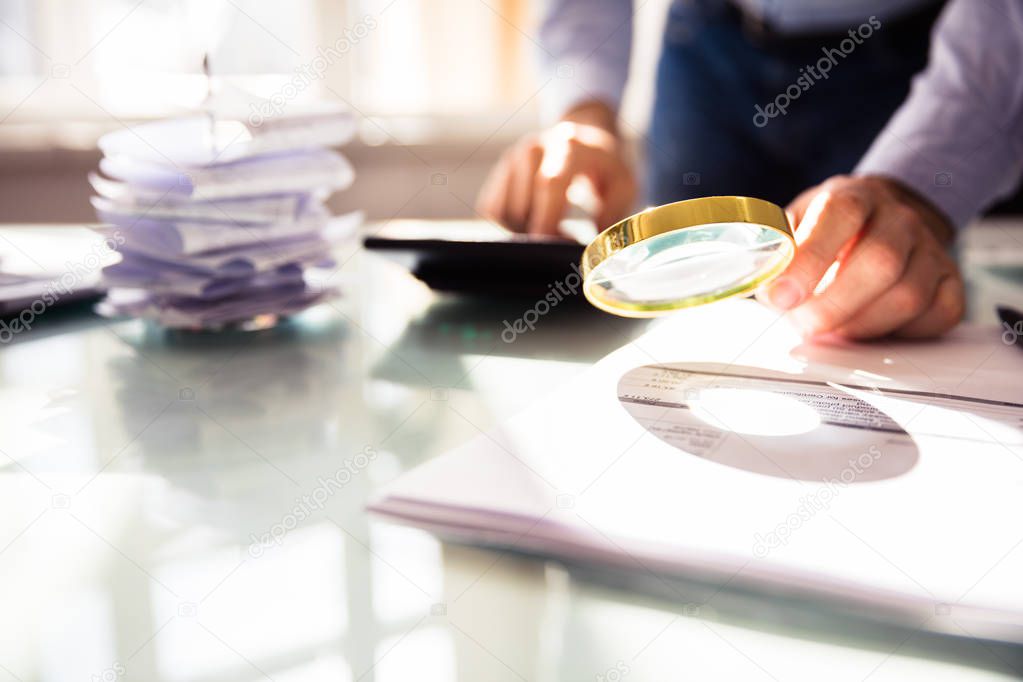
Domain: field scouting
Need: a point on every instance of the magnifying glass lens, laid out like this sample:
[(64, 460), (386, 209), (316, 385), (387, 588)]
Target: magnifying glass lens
[(668, 269)]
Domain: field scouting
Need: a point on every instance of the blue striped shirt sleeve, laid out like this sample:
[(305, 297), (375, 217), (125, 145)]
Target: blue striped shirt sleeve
[(958, 138), (584, 48)]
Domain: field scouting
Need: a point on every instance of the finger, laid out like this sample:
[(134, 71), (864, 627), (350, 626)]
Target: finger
[(550, 186), (619, 193), (491, 199), (871, 267), (549, 203), (520, 185), (797, 208), (946, 311), (832, 218), (909, 298)]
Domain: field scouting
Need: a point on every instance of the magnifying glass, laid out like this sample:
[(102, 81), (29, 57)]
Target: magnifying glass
[(686, 254)]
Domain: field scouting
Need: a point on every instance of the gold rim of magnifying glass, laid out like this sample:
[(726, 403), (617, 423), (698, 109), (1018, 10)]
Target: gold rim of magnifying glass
[(681, 215)]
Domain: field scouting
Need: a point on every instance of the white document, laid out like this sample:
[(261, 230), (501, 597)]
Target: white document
[(299, 171), (196, 141), (885, 477), (259, 210), (255, 257), (131, 273), (195, 313), (50, 265), (185, 242), (185, 238)]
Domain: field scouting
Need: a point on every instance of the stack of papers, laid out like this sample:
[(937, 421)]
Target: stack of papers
[(883, 480), (220, 222)]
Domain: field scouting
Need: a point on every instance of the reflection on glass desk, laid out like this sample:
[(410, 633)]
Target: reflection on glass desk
[(190, 507)]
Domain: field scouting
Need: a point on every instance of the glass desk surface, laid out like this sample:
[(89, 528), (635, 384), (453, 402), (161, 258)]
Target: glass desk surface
[(167, 514)]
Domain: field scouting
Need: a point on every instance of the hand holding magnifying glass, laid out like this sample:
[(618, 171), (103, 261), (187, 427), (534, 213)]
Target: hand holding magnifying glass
[(884, 246), (893, 273)]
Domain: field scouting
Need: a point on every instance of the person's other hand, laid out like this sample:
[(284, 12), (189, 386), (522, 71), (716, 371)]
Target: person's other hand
[(528, 189), (893, 274)]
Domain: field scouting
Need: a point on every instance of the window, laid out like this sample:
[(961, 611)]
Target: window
[(132, 59), (417, 69)]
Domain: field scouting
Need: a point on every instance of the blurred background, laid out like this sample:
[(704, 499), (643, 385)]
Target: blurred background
[(440, 87)]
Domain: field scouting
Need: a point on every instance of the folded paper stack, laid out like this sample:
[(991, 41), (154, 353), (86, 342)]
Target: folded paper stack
[(219, 222)]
